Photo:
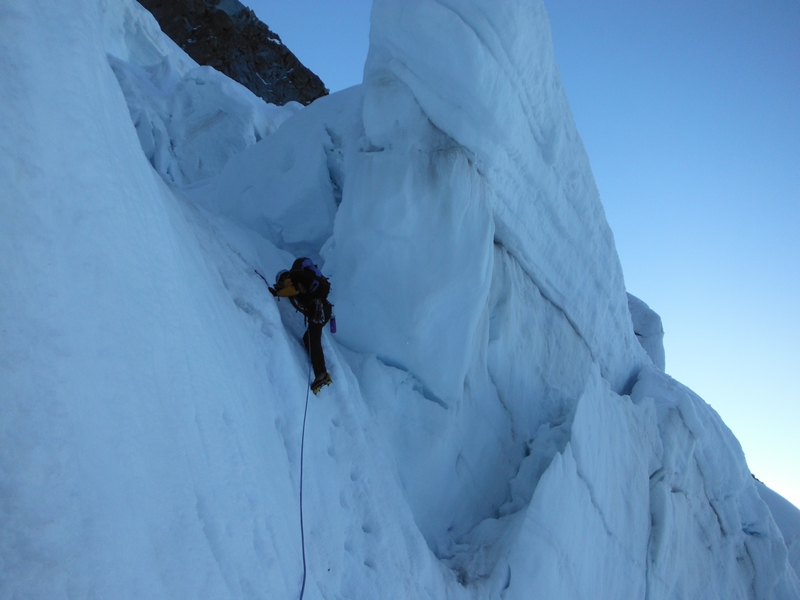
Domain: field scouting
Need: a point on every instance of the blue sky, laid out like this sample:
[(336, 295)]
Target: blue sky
[(690, 114)]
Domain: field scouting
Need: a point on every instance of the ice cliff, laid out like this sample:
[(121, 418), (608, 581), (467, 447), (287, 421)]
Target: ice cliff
[(500, 423)]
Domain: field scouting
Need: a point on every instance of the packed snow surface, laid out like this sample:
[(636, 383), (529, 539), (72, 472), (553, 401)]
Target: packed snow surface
[(500, 424)]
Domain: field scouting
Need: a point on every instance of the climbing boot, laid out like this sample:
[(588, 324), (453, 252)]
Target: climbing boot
[(320, 382)]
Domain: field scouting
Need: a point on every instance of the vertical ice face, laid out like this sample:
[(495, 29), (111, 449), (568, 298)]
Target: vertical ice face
[(150, 388), (413, 244), (471, 250), (477, 79), (136, 436)]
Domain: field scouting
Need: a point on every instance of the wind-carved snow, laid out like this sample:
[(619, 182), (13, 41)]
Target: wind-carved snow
[(288, 187), (485, 75), (190, 119), (494, 429), (787, 518), (648, 330), (191, 125)]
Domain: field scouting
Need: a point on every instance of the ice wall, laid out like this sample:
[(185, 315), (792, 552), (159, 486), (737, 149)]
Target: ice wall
[(131, 418), (484, 74), (471, 164), (476, 442), (711, 535), (150, 394), (471, 249)]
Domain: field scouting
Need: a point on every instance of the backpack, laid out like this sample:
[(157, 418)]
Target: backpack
[(319, 287)]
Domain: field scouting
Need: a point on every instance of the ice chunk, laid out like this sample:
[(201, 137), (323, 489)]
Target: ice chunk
[(288, 187), (189, 126), (648, 329)]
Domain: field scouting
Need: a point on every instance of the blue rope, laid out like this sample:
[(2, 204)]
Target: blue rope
[(302, 451)]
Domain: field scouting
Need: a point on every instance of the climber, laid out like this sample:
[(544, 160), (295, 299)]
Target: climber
[(307, 289)]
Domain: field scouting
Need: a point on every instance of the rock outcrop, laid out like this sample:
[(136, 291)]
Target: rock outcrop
[(228, 36)]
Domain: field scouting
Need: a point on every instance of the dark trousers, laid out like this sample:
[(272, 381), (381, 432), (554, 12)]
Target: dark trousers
[(312, 340)]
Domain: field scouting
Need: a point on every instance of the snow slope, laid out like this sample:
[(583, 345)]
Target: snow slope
[(494, 429)]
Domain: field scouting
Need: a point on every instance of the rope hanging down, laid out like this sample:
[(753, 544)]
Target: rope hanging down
[(302, 451)]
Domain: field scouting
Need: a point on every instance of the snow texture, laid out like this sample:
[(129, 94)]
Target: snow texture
[(484, 74), (787, 518), (190, 126), (648, 330), (190, 119), (494, 429)]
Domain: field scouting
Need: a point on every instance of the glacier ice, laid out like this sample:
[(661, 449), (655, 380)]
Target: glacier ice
[(648, 330), (190, 119), (495, 429)]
